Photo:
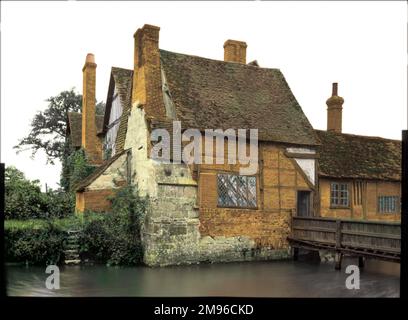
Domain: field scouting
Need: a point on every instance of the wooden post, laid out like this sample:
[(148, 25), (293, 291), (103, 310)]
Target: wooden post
[(361, 262), (338, 234), (295, 253), (337, 260)]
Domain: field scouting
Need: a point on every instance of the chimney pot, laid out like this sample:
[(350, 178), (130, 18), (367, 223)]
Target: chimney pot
[(90, 58), (334, 89), (334, 110)]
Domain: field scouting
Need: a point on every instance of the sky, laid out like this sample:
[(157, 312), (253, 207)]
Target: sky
[(360, 45)]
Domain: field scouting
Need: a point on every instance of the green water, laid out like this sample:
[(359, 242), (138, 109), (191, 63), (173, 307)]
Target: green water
[(247, 279)]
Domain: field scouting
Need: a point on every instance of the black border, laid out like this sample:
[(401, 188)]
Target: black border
[(264, 308)]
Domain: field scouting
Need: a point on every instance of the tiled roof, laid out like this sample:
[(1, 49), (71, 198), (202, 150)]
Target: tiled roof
[(353, 156), (216, 94), (75, 127)]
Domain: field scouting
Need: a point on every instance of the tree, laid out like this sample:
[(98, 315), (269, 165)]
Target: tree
[(23, 198), (49, 127)]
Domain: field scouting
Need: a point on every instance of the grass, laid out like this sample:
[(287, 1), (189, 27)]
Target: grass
[(72, 222)]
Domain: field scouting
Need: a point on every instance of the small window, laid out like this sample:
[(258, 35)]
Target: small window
[(236, 191), (339, 195), (388, 204)]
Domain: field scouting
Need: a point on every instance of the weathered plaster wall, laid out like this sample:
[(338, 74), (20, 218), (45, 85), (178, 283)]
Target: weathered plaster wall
[(113, 177), (95, 196)]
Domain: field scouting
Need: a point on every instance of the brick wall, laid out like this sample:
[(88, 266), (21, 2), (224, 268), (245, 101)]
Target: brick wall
[(278, 180), (368, 209), (94, 200)]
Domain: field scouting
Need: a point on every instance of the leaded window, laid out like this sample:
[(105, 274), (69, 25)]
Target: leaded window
[(236, 191), (339, 195), (388, 204)]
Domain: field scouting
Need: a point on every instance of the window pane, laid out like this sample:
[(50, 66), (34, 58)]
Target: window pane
[(388, 204), (236, 191), (339, 195)]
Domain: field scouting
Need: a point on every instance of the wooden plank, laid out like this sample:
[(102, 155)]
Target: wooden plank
[(338, 234), (371, 234), (320, 229)]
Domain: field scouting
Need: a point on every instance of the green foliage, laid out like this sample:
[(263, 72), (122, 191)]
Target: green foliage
[(77, 168), (59, 204), (23, 198), (49, 127), (33, 242), (115, 238)]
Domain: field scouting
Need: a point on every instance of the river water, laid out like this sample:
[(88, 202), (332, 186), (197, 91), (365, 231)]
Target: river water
[(246, 279)]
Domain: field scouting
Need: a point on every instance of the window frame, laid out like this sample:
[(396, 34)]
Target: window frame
[(338, 191), (238, 175), (397, 204)]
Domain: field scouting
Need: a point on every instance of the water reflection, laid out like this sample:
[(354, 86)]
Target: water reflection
[(250, 279)]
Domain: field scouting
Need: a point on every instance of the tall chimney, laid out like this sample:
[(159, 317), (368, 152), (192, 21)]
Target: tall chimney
[(235, 51), (90, 142), (147, 82), (334, 111)]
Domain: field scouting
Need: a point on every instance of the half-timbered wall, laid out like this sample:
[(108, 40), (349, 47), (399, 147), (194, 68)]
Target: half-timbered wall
[(113, 126)]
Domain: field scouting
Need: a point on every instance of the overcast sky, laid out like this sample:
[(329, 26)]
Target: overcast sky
[(362, 46)]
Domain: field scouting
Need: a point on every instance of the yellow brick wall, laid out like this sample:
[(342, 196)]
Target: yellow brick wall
[(278, 180), (368, 210)]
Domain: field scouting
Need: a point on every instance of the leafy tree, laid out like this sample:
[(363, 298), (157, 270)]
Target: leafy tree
[(23, 198), (49, 127)]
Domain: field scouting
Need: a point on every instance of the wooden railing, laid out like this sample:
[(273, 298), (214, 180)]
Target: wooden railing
[(365, 238)]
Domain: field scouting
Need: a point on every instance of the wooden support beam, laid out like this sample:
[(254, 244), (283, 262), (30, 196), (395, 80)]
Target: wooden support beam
[(361, 262), (295, 253), (337, 260)]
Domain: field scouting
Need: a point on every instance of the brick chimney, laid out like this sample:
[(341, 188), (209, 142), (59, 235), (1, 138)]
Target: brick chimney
[(235, 51), (334, 111), (147, 82), (90, 142)]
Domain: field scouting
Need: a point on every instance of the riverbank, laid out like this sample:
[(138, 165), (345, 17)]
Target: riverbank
[(246, 279)]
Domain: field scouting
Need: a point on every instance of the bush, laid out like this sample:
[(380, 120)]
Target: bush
[(23, 198), (59, 204), (33, 241), (115, 238)]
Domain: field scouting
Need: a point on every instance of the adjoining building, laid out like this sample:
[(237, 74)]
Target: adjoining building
[(359, 176)]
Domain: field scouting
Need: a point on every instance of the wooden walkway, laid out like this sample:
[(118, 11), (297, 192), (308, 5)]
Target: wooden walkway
[(373, 239)]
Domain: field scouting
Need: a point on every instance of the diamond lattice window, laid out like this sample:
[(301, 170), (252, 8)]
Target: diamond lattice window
[(236, 191)]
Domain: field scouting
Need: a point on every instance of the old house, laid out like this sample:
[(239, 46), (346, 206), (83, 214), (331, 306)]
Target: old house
[(359, 176), (209, 211), (205, 212)]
